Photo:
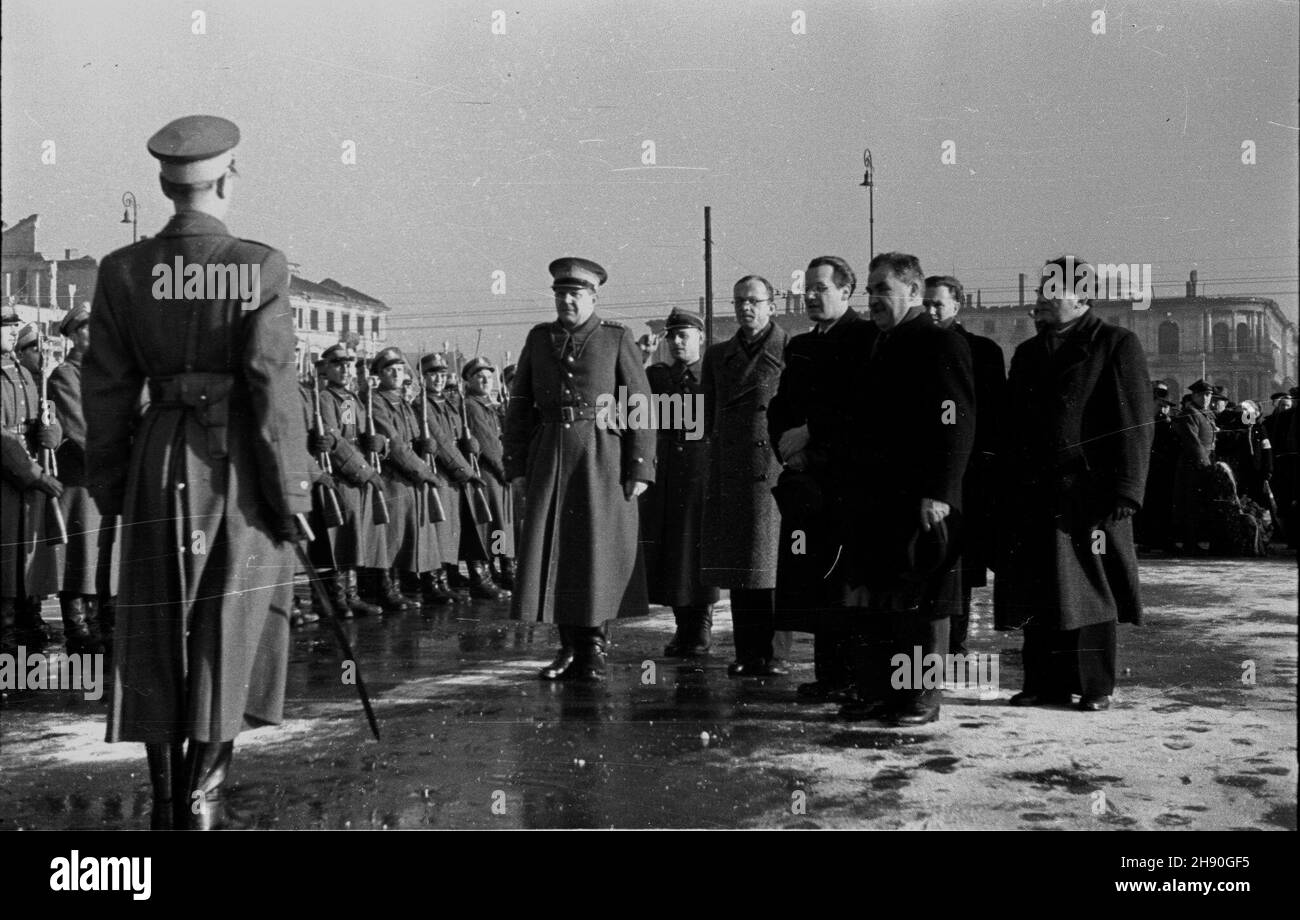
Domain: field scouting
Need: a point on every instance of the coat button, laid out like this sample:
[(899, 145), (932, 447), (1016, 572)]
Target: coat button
[(567, 425)]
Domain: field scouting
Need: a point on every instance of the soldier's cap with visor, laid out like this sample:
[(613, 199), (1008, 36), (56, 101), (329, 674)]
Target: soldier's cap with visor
[(1279, 395), (27, 337), (432, 363), (336, 352), (77, 317), (683, 319), (1201, 386), (386, 358), (572, 273), (9, 316), (474, 365), (1159, 388), (508, 373), (195, 149)]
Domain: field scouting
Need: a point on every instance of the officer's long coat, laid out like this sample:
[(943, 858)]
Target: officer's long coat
[(454, 469), (202, 619), (88, 533), (412, 538), (741, 521), (359, 542), (497, 536), (1077, 441), (578, 560), (26, 564), (672, 509)]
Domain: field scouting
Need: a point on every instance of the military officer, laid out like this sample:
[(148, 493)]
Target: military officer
[(1195, 430), (79, 588), (24, 490), (492, 540), (671, 510), (738, 539), (207, 483), (412, 540), (579, 563)]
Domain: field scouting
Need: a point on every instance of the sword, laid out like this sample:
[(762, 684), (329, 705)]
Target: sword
[(327, 604)]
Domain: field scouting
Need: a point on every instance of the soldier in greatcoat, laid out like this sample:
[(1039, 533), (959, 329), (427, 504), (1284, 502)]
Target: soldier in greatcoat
[(741, 522), (583, 466), (207, 483), (671, 509), (488, 546), (1195, 429), (456, 473)]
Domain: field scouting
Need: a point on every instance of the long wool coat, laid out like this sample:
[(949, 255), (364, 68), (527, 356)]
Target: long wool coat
[(497, 536), (28, 567), (979, 486), (359, 542), (672, 508), (412, 538), (1077, 441), (741, 521), (88, 532), (454, 469), (579, 563), (202, 619)]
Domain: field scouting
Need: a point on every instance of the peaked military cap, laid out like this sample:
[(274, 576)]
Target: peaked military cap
[(337, 351), (684, 319), (432, 362), (1201, 386), (195, 148), (572, 272), (9, 316), (1160, 389), (474, 365), (1279, 395), (389, 356), (26, 337), (77, 317)]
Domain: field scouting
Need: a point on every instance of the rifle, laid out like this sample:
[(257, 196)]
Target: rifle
[(47, 459), (381, 501), (433, 502), (327, 499), (479, 508)]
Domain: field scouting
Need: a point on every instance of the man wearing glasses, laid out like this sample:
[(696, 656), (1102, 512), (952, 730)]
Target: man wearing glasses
[(741, 523)]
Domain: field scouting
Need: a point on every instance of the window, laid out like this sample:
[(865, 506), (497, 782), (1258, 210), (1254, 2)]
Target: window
[(374, 325), (315, 319), (297, 317), (990, 327), (329, 320), (1220, 337), (347, 323), (1167, 338), (1243, 337)]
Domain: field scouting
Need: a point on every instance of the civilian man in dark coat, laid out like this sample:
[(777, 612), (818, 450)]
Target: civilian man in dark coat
[(905, 472), (741, 522), (671, 509), (1195, 429), (1076, 463), (583, 466), (207, 483), (943, 298), (1153, 525), (807, 422)]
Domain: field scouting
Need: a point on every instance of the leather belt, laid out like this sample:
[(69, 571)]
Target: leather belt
[(205, 395), (567, 414)]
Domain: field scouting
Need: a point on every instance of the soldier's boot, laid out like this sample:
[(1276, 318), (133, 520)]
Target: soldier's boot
[(481, 585), (590, 656), (455, 582), (557, 669), (76, 634), (432, 592), (333, 586), (206, 765), (694, 636), (391, 598), (166, 767), (440, 579), (32, 630), (107, 620), (91, 604), (505, 574), (352, 601)]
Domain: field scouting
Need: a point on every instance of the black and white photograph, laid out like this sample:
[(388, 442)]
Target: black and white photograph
[(846, 415)]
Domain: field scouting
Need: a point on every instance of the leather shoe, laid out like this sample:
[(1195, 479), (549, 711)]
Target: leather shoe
[(557, 669), (1094, 703), (1026, 698), (915, 712)]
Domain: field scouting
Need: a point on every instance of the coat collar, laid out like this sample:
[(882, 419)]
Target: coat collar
[(194, 223), (774, 342)]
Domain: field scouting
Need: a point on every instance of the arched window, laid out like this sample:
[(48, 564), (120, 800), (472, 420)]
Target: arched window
[(1243, 337), (1167, 338), (1221, 337)]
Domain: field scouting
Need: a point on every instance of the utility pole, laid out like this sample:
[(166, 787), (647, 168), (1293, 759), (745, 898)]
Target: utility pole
[(708, 276), (869, 183)]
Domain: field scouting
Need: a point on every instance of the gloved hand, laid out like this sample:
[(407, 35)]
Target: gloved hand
[(431, 478), (469, 445), (425, 446), (325, 479), (49, 485), (371, 477), (793, 442), (286, 530), (373, 443), (47, 437), (319, 442)]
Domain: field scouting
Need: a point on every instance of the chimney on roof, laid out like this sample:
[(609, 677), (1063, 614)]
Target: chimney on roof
[(1022, 290), (1191, 284), (979, 299), (969, 300), (71, 254)]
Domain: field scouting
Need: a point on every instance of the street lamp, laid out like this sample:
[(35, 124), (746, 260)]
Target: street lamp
[(130, 215), (869, 183)]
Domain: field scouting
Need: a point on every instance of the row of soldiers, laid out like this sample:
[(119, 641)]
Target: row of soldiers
[(409, 485), (1214, 462)]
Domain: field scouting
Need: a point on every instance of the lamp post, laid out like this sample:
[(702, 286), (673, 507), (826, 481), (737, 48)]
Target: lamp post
[(869, 183), (131, 215)]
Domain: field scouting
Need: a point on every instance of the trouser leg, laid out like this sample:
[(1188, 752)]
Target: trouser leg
[(752, 612), (913, 636), (959, 624), (1095, 655)]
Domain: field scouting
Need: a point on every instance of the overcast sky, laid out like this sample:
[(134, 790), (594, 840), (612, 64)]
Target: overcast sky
[(479, 152)]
